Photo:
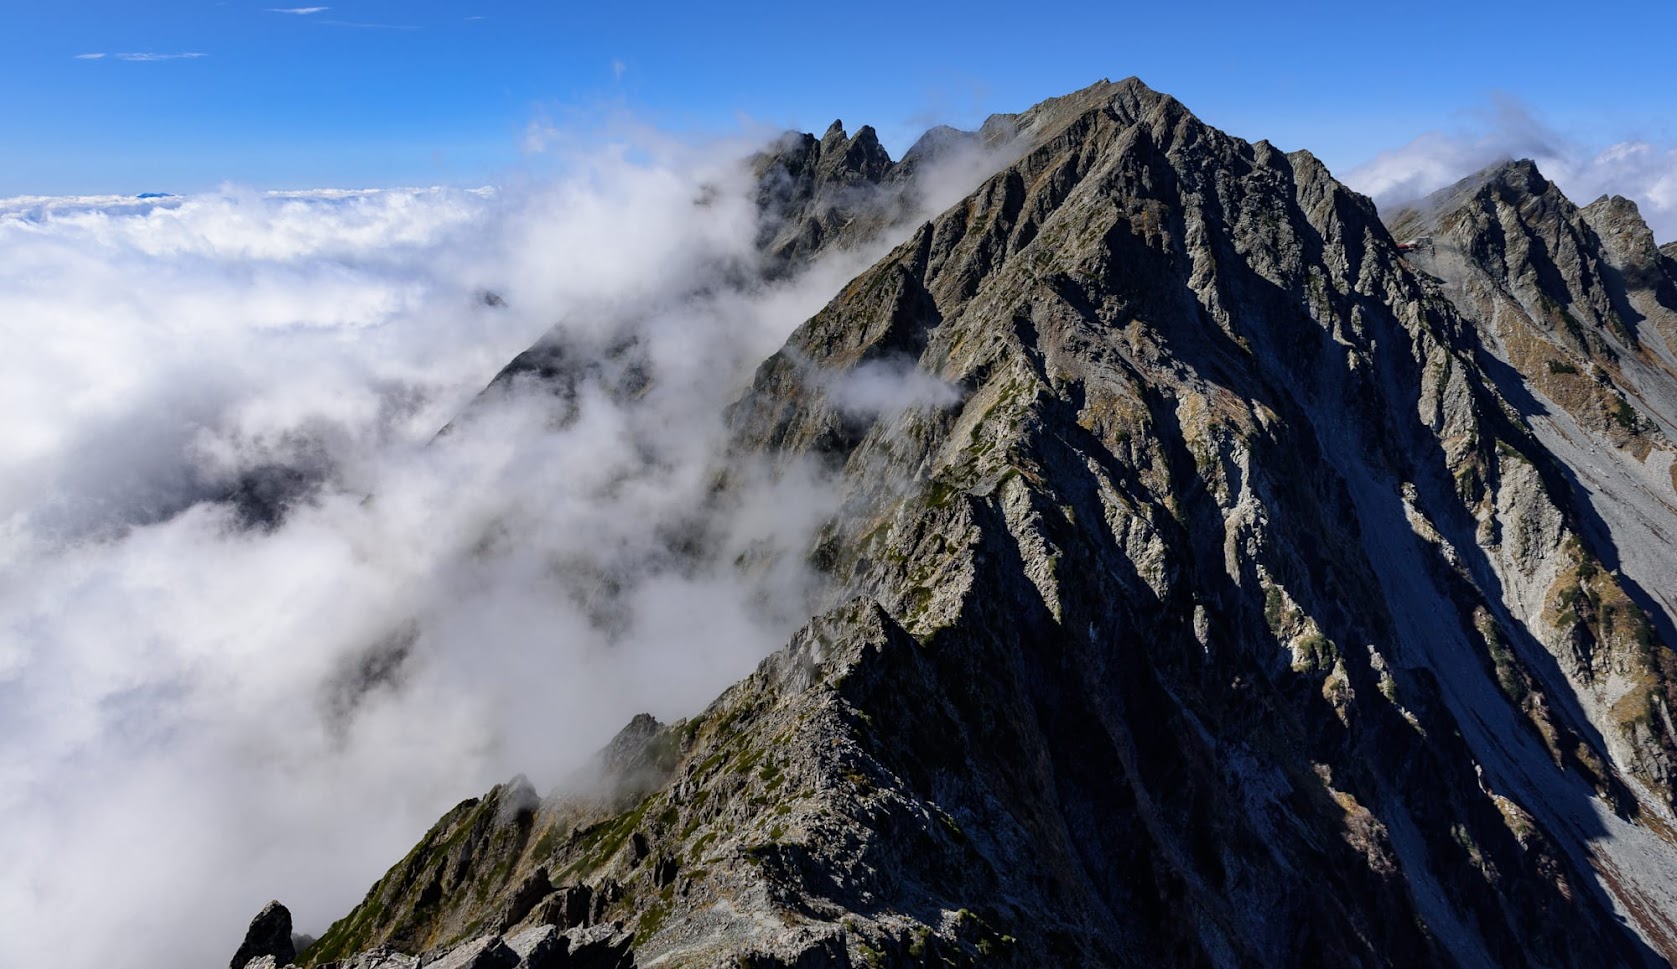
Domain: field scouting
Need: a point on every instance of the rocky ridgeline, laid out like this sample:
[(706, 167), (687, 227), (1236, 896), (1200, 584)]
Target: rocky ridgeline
[(1269, 596), (540, 945)]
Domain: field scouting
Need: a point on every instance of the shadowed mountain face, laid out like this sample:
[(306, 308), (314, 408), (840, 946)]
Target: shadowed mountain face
[(1223, 586)]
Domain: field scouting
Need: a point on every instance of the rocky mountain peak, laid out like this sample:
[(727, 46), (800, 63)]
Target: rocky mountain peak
[(1578, 300), (860, 155), (939, 142), (1519, 174), (1513, 181), (1629, 241), (820, 193), (1231, 602)]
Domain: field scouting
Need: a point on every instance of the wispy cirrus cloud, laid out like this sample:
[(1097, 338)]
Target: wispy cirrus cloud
[(89, 57), (302, 11), (356, 23), (149, 56)]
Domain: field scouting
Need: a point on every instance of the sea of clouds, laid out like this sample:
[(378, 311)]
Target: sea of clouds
[(202, 707)]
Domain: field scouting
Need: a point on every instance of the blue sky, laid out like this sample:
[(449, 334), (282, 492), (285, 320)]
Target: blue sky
[(379, 92)]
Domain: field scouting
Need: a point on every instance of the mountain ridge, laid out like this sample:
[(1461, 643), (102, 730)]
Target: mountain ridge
[(1118, 684)]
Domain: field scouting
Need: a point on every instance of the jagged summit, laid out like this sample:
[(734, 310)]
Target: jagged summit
[(1517, 178), (1592, 277), (810, 186), (815, 193), (1235, 607)]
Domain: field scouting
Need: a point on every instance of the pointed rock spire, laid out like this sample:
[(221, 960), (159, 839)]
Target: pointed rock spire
[(269, 935)]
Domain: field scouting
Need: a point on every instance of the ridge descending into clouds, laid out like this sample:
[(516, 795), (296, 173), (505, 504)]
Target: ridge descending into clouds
[(1637, 169), (200, 711)]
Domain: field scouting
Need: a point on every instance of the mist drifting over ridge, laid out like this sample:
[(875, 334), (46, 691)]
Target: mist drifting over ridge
[(202, 710)]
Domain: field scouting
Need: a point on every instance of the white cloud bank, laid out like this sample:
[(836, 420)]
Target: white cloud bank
[(187, 723), (1634, 168)]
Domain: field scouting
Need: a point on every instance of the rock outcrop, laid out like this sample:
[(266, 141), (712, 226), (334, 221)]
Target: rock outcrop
[(269, 936), (1245, 598), (815, 192)]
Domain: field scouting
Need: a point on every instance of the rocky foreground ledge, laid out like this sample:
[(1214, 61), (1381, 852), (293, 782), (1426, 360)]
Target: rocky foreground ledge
[(269, 944)]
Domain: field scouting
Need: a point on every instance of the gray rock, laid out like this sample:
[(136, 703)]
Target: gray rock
[(524, 899), (529, 940), (382, 957), (597, 947), (544, 948), (269, 935), (486, 952)]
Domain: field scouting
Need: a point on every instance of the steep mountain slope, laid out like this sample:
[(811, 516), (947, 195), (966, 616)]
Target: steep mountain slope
[(1579, 308), (1217, 599)]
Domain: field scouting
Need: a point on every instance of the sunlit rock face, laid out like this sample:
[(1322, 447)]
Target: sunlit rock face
[(1215, 583)]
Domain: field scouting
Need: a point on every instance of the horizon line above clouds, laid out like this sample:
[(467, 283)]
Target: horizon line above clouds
[(1633, 167)]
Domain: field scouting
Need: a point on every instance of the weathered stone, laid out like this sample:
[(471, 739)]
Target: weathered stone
[(565, 908), (487, 952), (269, 935), (379, 957), (530, 892), (600, 947), (529, 940)]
